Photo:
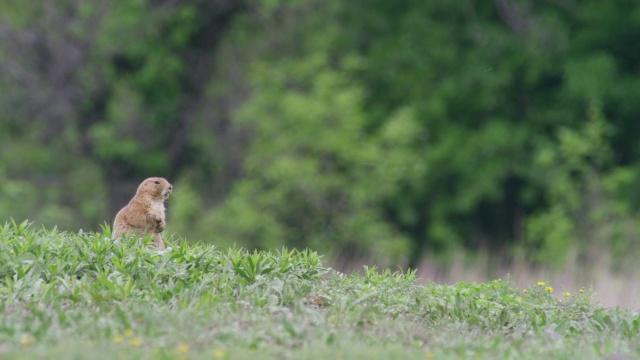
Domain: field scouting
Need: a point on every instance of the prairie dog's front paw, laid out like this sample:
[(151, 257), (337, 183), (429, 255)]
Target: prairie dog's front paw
[(160, 225)]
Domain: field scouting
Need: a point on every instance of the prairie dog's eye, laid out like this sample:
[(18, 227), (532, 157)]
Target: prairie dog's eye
[(157, 182)]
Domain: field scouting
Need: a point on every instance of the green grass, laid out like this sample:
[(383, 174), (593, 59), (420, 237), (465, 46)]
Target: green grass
[(87, 296)]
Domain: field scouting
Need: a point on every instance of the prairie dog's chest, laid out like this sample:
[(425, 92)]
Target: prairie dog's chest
[(157, 207)]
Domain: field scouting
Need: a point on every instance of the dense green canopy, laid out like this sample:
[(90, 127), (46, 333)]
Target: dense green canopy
[(388, 129)]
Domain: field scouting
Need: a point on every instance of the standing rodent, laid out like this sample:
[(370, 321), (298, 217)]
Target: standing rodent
[(144, 215)]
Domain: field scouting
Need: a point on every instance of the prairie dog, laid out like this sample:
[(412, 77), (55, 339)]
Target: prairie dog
[(145, 213)]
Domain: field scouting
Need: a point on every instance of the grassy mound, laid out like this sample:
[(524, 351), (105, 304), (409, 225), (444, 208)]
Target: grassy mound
[(66, 295)]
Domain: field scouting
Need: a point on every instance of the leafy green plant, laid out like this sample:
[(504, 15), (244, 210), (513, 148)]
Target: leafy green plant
[(86, 294)]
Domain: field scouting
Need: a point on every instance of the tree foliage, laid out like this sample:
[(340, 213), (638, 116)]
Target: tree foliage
[(359, 127)]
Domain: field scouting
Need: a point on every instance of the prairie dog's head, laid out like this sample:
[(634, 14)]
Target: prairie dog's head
[(157, 187)]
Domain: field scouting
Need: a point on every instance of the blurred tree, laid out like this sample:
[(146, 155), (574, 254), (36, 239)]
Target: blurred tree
[(351, 126), (119, 83), (490, 82), (313, 176)]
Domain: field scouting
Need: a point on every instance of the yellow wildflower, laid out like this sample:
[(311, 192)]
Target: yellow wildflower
[(27, 340), (135, 341), (567, 294), (118, 338), (182, 348), (581, 291), (11, 251), (549, 289), (219, 353), (541, 283)]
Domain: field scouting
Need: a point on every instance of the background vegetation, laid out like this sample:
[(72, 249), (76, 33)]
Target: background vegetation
[(361, 128)]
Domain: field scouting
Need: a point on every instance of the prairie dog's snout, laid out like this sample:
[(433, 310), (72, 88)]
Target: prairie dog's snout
[(168, 192)]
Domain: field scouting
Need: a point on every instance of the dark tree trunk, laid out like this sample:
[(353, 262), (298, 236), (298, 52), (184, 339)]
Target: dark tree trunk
[(121, 187), (199, 58)]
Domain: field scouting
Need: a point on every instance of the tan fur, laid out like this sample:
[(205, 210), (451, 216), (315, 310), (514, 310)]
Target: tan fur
[(145, 213)]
